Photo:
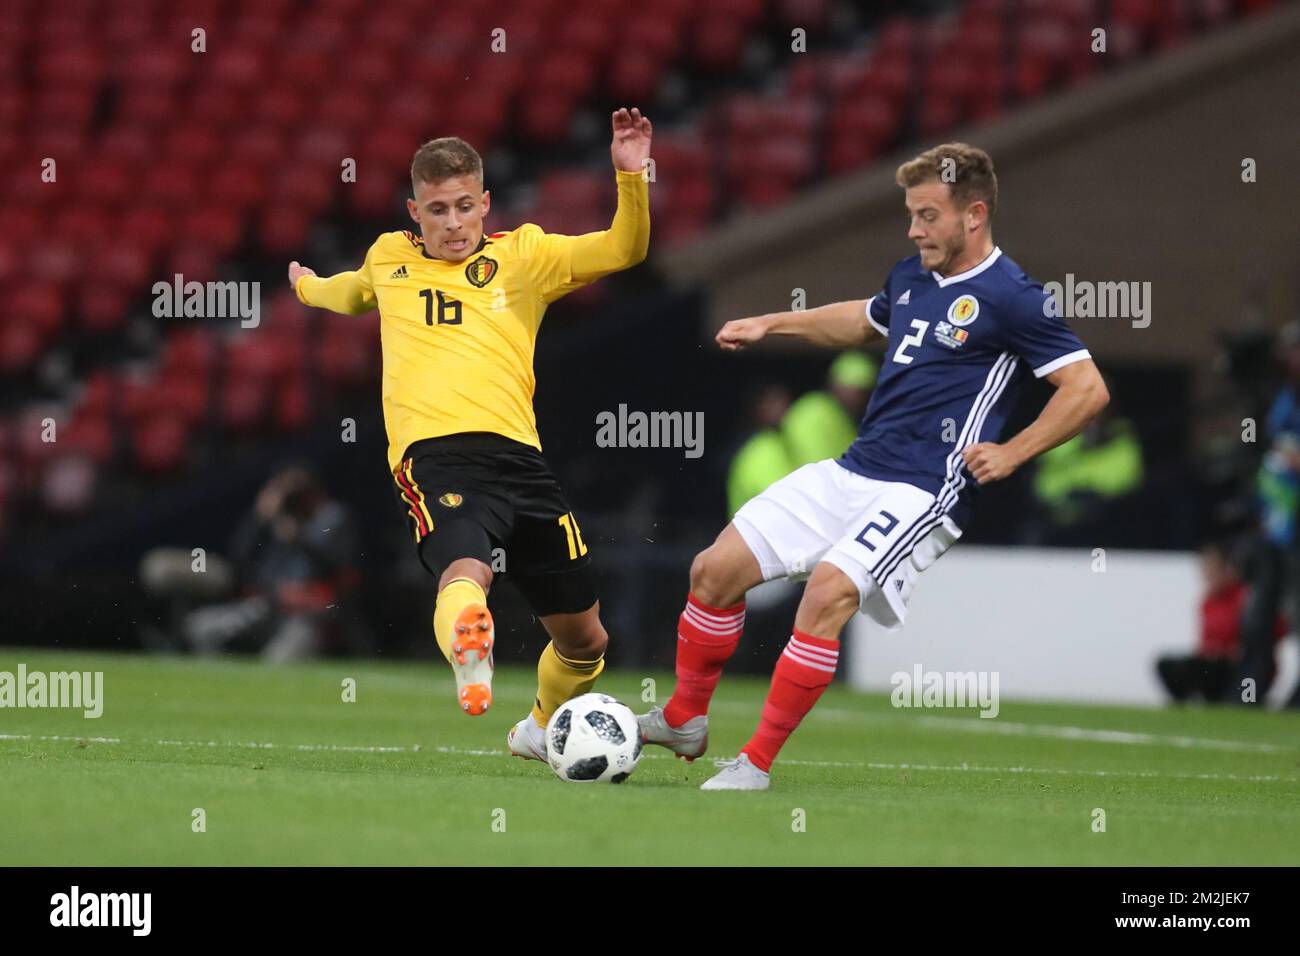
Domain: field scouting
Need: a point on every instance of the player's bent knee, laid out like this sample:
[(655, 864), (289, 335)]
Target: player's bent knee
[(471, 568), (709, 579), (582, 640), (700, 568), (829, 600)]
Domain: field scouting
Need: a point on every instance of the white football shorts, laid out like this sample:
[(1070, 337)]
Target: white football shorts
[(882, 534)]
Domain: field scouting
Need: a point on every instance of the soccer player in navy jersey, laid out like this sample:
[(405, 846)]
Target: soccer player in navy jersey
[(965, 327)]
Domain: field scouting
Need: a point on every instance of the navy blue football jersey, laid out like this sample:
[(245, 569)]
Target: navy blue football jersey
[(959, 348)]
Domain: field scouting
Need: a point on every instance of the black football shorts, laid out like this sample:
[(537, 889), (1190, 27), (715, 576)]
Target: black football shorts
[(483, 496)]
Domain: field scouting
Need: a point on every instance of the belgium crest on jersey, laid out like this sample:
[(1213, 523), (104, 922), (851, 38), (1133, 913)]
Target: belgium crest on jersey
[(480, 271)]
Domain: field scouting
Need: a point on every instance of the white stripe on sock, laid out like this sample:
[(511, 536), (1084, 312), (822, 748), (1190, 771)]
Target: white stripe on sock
[(808, 661), (813, 650), (715, 618)]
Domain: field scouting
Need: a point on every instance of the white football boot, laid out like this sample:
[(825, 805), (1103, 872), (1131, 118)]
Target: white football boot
[(471, 658), (738, 774), (527, 739), (688, 741)]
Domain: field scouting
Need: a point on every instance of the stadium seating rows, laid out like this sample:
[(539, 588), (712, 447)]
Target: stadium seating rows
[(170, 162)]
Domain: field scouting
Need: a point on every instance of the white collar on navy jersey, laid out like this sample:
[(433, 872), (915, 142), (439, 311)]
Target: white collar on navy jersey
[(971, 273)]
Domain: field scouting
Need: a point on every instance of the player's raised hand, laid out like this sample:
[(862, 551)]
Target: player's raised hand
[(738, 333), (988, 461), (296, 272), (630, 147)]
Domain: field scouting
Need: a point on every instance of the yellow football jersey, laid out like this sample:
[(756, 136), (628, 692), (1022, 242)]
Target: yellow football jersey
[(458, 338)]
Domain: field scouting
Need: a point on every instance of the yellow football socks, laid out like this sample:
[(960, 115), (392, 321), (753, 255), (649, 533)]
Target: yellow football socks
[(559, 678), (454, 598)]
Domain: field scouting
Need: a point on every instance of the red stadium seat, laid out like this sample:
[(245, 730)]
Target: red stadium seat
[(374, 196), (283, 107), (148, 106), (292, 404), (38, 305), (193, 143), (173, 182), (547, 116), (131, 145), (101, 308), (192, 258), (239, 185), (20, 346), (283, 230), (148, 226), (157, 65), (257, 143), (90, 433), (220, 226), (718, 43), (185, 395), (236, 67), (159, 443), (105, 182), (344, 360)]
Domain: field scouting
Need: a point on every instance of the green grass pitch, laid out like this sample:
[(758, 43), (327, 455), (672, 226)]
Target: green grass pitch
[(286, 772)]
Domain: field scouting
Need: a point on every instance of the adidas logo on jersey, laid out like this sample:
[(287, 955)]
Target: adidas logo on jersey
[(399, 273), (905, 298)]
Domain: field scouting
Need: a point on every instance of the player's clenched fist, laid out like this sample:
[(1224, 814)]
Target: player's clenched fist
[(989, 461), (296, 272), (738, 333)]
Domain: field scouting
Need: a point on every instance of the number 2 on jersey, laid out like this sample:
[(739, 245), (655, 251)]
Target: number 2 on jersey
[(900, 354)]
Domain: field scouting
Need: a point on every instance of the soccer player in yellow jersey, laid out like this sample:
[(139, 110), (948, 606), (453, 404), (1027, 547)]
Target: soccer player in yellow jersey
[(459, 312)]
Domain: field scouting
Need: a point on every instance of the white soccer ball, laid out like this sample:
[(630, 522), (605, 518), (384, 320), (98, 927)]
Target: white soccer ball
[(593, 738)]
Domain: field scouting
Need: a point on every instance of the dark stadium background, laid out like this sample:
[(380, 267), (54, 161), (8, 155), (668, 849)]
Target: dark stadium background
[(744, 129)]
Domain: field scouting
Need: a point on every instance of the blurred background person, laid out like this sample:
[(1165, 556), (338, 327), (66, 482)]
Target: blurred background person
[(1273, 562), (764, 456), (822, 424), (1088, 481), (1207, 673), (293, 567)]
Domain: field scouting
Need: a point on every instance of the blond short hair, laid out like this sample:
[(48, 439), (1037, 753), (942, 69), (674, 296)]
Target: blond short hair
[(966, 169), (442, 159)]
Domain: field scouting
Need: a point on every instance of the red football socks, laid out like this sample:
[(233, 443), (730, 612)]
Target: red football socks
[(706, 639), (805, 670)]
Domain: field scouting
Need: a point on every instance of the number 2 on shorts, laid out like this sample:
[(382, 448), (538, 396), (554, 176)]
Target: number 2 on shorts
[(884, 530)]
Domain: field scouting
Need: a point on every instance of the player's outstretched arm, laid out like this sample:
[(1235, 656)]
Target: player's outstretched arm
[(839, 325), (1080, 396), (349, 293), (627, 240)]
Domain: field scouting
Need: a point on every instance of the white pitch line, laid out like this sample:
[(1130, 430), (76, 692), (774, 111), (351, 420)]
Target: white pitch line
[(968, 768), (233, 744), (436, 685), (1062, 732), (472, 752)]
